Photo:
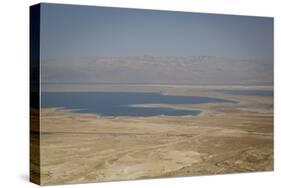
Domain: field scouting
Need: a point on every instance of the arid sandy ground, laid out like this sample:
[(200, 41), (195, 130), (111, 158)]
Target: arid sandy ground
[(225, 138)]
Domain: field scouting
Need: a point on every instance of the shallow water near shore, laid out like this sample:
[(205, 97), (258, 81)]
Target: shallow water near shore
[(120, 103)]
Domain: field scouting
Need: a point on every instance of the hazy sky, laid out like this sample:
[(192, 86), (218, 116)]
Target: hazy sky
[(87, 31)]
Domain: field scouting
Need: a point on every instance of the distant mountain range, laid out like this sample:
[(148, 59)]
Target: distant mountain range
[(165, 70)]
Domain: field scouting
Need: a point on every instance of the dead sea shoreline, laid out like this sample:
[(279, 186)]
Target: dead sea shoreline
[(226, 138)]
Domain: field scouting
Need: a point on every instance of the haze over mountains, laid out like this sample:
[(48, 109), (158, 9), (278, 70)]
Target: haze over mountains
[(82, 44), (159, 70)]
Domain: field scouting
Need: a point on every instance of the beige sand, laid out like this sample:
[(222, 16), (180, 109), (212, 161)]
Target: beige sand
[(226, 138)]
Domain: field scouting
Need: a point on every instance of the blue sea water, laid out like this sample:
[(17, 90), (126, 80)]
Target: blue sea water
[(118, 103)]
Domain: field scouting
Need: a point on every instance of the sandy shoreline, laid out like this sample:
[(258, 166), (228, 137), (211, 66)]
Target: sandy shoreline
[(227, 139)]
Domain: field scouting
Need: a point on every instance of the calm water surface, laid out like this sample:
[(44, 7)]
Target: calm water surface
[(118, 103)]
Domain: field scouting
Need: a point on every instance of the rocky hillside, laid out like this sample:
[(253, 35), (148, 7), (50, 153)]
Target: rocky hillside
[(165, 70)]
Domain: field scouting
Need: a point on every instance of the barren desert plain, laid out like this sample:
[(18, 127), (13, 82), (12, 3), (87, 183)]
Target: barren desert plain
[(223, 138)]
